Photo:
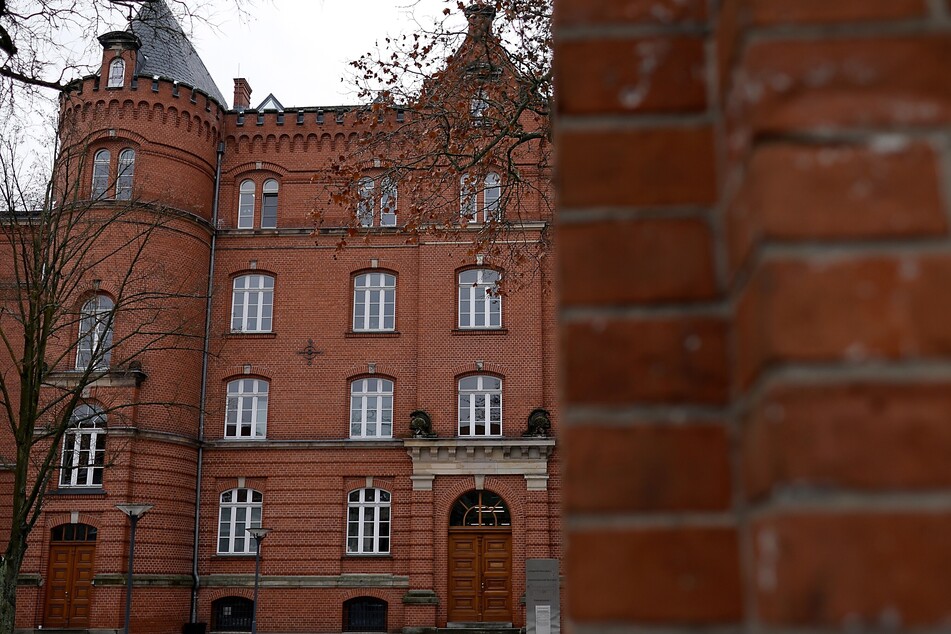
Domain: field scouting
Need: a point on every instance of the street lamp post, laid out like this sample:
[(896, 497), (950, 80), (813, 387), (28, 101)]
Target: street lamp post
[(135, 513), (258, 534)]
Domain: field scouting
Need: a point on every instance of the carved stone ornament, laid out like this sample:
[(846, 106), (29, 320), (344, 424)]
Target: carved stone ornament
[(539, 424), (421, 424)]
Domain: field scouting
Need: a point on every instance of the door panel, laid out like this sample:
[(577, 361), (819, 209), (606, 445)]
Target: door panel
[(69, 589), (480, 576)]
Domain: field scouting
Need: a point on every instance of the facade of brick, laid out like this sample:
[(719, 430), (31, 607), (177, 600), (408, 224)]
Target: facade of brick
[(754, 394), (285, 329)]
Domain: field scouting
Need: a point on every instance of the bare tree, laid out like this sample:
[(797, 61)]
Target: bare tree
[(468, 148), (84, 300)]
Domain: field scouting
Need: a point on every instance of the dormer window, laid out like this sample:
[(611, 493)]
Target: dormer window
[(116, 73)]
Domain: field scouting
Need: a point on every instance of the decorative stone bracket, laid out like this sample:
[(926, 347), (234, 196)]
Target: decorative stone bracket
[(483, 456)]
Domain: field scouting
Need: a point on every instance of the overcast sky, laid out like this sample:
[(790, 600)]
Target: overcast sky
[(299, 49)]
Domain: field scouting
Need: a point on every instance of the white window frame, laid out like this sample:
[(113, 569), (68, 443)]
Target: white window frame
[(491, 194), (368, 522), (478, 300), (468, 200), (84, 448), (94, 345), (371, 408), (252, 303), (116, 73), (100, 174), (378, 315), (388, 202), (125, 174), (246, 409), (269, 193), (480, 403), (246, 204), (238, 510)]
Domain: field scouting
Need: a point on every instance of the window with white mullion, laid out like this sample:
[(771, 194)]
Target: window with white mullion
[(480, 406), (374, 302), (246, 205), (252, 303), (240, 509), (246, 411), (84, 446), (371, 408), (368, 522), (480, 305)]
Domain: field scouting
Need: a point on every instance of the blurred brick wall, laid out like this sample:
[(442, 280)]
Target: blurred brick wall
[(755, 321)]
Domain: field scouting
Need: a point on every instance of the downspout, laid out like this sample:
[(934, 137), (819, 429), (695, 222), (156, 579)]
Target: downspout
[(204, 382)]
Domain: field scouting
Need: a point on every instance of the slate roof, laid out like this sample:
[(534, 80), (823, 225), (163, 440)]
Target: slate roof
[(167, 52)]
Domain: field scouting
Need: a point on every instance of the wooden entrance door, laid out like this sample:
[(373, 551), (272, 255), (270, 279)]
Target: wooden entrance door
[(480, 575), (69, 584)]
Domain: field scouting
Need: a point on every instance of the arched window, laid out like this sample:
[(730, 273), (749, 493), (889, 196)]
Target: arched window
[(232, 614), (246, 205), (387, 202), (94, 348), (480, 508), (364, 614), (371, 408), (480, 305), (269, 204), (84, 448), (365, 204), (478, 106), (252, 303), (480, 406), (491, 195), (246, 411), (368, 522), (125, 174), (74, 533), (100, 173), (467, 198), (116, 73), (240, 510), (374, 302)]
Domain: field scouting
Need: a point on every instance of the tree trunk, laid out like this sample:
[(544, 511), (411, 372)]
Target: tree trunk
[(9, 571)]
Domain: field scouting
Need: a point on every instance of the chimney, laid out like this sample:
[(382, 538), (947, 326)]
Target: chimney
[(480, 18), (242, 93)]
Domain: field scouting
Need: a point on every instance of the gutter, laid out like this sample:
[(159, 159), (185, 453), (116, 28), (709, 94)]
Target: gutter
[(204, 382)]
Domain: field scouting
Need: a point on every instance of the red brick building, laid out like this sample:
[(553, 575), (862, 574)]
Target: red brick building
[(297, 416)]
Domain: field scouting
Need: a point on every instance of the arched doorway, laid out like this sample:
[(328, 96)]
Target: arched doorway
[(480, 559), (69, 582)]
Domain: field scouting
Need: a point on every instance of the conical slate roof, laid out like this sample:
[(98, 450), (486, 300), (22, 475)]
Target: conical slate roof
[(167, 52)]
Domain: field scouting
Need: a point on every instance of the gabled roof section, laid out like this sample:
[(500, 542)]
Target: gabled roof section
[(167, 52), (271, 103)]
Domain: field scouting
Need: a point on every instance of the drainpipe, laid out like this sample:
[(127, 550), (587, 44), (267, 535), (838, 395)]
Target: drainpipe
[(204, 382)]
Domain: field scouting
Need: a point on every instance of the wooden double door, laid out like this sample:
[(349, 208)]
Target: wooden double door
[(480, 575), (69, 584)]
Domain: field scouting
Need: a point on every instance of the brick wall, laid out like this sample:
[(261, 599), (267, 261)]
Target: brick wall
[(755, 375)]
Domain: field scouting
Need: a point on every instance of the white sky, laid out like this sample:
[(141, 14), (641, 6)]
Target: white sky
[(299, 49)]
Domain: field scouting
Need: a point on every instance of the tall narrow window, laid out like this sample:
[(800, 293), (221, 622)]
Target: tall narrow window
[(116, 73), (84, 448), (368, 522), (246, 412), (467, 198), (371, 408), (269, 204), (480, 305), (491, 195), (100, 173), (240, 510), (252, 303), (478, 106), (246, 205), (365, 204), (480, 406), (125, 174), (387, 203), (94, 348), (374, 302)]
